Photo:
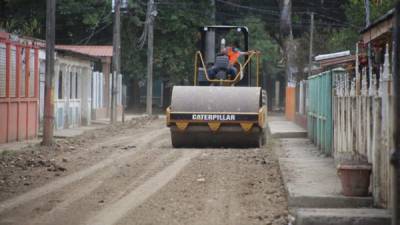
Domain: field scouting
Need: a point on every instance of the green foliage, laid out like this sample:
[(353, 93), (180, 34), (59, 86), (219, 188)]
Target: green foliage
[(175, 39), (328, 39), (260, 40), (76, 20), (345, 38), (355, 11), (23, 17), (28, 28), (176, 28)]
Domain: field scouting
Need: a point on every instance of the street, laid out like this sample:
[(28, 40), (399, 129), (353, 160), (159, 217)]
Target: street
[(206, 112), (130, 174)]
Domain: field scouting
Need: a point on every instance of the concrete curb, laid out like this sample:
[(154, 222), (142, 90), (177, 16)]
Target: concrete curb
[(280, 128), (362, 216), (328, 201), (289, 135)]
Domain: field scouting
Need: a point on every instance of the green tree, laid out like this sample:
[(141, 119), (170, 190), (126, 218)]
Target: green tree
[(346, 38), (76, 21), (261, 40), (23, 17), (175, 39)]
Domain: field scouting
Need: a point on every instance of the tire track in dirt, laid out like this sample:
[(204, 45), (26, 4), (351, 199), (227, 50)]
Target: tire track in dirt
[(64, 181), (221, 203), (78, 194), (52, 216), (114, 212), (219, 187), (35, 166), (152, 183)]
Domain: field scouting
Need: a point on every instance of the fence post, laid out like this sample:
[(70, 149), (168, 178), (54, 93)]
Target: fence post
[(396, 154), (376, 144)]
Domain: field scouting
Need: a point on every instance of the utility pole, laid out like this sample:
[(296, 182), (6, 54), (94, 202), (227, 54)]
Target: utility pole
[(48, 126), (213, 11), (367, 23), (311, 44), (116, 59), (287, 37), (210, 37), (395, 159), (150, 41)]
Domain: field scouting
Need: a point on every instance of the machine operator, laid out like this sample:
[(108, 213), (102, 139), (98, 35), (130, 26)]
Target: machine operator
[(226, 60)]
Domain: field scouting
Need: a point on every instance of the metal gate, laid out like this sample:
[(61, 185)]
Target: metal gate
[(19, 79), (319, 121)]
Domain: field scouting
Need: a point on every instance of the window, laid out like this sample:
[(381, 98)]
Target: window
[(71, 86), (60, 86), (76, 85)]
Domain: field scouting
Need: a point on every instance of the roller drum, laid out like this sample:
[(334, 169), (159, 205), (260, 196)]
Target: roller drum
[(216, 99)]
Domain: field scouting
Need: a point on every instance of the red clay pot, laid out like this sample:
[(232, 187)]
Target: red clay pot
[(354, 179)]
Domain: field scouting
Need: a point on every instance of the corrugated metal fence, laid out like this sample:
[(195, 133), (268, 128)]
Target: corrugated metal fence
[(19, 91), (319, 121)]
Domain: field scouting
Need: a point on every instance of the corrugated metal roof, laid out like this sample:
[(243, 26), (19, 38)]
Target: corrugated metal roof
[(388, 15), (91, 50), (338, 61)]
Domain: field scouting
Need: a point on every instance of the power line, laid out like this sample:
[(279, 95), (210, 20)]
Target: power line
[(330, 18), (273, 13), (201, 13), (265, 11), (94, 28), (94, 32)]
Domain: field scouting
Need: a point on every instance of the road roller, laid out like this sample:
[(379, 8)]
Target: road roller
[(222, 110)]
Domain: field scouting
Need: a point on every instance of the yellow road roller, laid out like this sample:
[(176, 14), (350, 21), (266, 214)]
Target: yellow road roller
[(223, 109)]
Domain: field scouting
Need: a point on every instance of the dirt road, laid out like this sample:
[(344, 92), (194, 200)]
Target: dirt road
[(131, 175)]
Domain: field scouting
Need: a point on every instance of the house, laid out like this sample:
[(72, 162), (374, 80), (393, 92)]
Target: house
[(72, 89), (101, 78), (81, 91), (19, 87), (297, 94), (377, 82), (349, 106), (379, 35)]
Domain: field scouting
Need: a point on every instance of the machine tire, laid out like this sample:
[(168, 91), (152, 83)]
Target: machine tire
[(226, 140)]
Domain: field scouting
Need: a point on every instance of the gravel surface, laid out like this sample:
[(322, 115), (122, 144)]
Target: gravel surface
[(130, 174), (35, 164)]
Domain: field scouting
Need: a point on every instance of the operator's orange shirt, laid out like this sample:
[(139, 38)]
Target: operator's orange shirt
[(233, 55)]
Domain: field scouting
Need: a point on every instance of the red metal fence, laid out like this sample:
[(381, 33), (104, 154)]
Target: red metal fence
[(19, 89)]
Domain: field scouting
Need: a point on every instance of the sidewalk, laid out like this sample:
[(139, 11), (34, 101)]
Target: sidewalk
[(106, 121), (281, 128), (65, 133), (313, 188)]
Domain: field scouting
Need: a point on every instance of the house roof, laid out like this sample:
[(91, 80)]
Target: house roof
[(343, 60), (91, 50), (380, 28), (387, 16), (332, 55)]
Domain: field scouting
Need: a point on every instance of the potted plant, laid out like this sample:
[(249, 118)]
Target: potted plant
[(355, 176)]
